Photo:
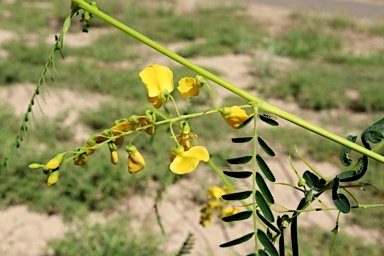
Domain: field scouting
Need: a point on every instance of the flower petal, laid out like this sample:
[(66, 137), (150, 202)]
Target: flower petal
[(199, 152), (187, 87), (184, 164), (157, 78)]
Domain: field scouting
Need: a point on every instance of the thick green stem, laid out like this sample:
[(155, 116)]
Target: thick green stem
[(245, 95)]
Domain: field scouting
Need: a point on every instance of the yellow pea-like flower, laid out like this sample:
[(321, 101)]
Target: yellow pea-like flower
[(234, 116), (158, 81), (55, 162), (135, 161), (187, 161), (228, 211), (81, 159), (216, 192)]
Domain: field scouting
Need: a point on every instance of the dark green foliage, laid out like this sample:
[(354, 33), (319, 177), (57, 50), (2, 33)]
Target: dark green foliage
[(237, 196), (265, 147), (344, 152), (340, 200), (239, 160), (245, 123), (238, 216), (264, 188), (237, 241), (313, 181), (238, 174), (265, 169), (349, 176), (267, 222), (242, 140), (264, 240), (264, 207), (268, 120)]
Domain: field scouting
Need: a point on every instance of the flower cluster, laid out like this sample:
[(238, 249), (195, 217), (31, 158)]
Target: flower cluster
[(216, 205), (185, 157)]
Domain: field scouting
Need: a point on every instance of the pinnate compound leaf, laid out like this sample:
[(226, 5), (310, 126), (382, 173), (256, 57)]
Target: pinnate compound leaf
[(350, 176), (342, 203), (237, 196), (246, 122), (238, 240), (239, 160), (344, 152), (313, 181), (242, 139), (238, 216), (264, 240), (266, 222), (264, 167), (265, 147), (264, 188), (238, 175), (264, 207), (268, 120)]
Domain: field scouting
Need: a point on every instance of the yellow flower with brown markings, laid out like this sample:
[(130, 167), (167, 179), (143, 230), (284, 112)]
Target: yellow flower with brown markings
[(234, 116), (187, 161), (158, 81)]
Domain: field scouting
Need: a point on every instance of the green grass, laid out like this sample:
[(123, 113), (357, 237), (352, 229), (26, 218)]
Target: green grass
[(113, 238), (315, 242), (319, 86)]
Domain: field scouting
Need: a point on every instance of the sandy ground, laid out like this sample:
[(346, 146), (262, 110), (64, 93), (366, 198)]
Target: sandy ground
[(25, 233)]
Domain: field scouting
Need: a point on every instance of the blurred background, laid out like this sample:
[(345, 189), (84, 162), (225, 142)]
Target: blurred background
[(322, 64)]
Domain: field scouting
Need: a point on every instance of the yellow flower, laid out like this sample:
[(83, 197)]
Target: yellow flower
[(205, 220), (136, 161), (114, 155), (81, 159), (216, 192), (234, 116), (187, 161), (189, 86), (158, 81), (55, 162), (53, 177), (228, 211)]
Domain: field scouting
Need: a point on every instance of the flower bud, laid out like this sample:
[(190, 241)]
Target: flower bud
[(81, 159), (184, 127), (199, 81), (164, 96), (53, 177), (35, 166), (114, 155), (55, 162), (135, 160)]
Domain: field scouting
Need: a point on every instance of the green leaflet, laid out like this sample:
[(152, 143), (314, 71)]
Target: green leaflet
[(264, 207), (264, 188), (265, 147), (374, 133), (262, 253), (267, 119), (349, 176), (238, 216), (264, 167), (242, 140), (238, 240), (344, 152), (264, 240), (245, 123), (266, 222), (340, 200), (239, 160), (237, 196), (313, 181), (238, 175)]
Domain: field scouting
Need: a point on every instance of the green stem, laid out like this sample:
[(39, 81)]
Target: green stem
[(245, 95)]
